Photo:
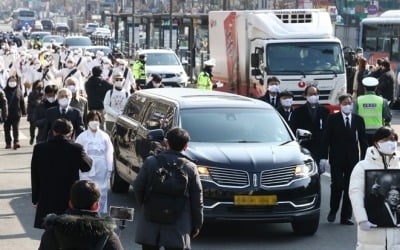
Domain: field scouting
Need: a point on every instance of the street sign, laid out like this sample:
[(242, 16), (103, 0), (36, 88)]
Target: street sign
[(372, 9)]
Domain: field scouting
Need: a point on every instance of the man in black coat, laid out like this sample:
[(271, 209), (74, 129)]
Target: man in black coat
[(55, 167), (80, 227), (343, 136), (311, 116), (3, 106), (63, 110), (272, 94), (385, 86), (96, 88), (177, 234), (285, 108)]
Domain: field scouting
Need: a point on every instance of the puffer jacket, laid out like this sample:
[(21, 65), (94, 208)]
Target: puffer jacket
[(376, 238), (79, 230)]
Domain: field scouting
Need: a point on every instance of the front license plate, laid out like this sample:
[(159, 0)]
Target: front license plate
[(255, 200)]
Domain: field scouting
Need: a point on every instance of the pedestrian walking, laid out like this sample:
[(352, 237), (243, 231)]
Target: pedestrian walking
[(386, 81), (77, 101), (373, 108), (153, 231), (311, 116), (3, 106), (34, 99), (74, 228), (55, 167), (114, 102), (129, 81), (16, 109), (344, 143), (361, 73), (382, 154), (98, 146)]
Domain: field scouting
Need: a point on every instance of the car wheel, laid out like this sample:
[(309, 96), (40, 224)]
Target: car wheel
[(306, 227), (118, 185)]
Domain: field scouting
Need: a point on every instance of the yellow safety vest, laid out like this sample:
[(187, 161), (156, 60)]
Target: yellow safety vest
[(204, 81)]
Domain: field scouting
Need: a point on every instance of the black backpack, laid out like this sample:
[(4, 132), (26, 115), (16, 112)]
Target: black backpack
[(165, 198)]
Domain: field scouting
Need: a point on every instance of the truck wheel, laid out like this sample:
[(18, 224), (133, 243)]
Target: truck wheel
[(118, 185), (306, 227)]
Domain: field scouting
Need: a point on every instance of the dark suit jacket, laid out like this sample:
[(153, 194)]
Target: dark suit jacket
[(282, 111), (73, 115), (342, 144), (55, 167), (266, 98)]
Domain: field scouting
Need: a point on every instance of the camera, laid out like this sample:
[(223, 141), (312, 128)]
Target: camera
[(121, 213)]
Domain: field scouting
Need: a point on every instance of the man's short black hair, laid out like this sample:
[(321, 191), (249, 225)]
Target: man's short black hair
[(51, 89), (273, 79), (286, 93), (343, 97), (379, 61), (96, 71), (309, 86), (62, 126), (384, 132), (177, 138), (84, 194), (385, 63)]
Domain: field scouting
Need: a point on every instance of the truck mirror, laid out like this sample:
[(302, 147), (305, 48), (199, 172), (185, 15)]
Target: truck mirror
[(255, 61), (256, 72)]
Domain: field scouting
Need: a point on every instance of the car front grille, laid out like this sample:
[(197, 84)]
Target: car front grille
[(277, 177), (229, 177), (168, 75)]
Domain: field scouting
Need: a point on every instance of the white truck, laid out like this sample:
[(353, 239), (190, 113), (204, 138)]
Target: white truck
[(296, 46)]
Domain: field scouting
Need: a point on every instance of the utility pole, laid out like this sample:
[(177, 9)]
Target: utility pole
[(170, 24), (133, 26)]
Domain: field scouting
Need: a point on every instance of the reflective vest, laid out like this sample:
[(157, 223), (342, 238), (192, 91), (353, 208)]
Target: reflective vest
[(370, 107), (138, 70), (204, 81)]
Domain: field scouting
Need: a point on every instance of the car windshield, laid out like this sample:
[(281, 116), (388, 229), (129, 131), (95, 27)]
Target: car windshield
[(41, 35), (26, 13), (234, 125), (58, 39), (154, 59), (84, 41), (304, 58), (93, 25)]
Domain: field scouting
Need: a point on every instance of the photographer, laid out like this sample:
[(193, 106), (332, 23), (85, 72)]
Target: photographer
[(81, 226)]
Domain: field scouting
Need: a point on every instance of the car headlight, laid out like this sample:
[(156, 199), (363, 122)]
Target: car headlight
[(306, 169), (204, 173)]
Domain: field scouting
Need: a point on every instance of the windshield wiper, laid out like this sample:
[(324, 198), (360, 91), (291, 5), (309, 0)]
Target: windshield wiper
[(246, 141), (284, 143), (327, 70)]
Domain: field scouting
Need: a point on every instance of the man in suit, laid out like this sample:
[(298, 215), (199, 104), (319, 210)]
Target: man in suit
[(55, 167), (285, 108), (272, 94), (311, 116), (63, 110), (344, 135)]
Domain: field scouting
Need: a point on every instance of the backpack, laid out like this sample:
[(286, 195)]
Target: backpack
[(165, 198)]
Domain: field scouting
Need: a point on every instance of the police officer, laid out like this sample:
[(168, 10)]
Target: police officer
[(373, 108), (204, 81), (139, 72)]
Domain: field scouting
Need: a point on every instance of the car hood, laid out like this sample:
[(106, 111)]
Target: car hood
[(163, 69), (252, 157)]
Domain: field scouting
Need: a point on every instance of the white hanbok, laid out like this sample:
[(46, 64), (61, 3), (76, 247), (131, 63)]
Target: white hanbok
[(99, 148)]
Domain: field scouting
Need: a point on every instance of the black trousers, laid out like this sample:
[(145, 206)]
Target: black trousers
[(32, 129), (148, 247), (340, 181), (14, 123)]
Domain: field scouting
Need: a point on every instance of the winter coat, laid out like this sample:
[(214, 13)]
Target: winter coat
[(3, 106), (96, 89), (55, 167), (79, 229), (16, 103), (114, 103), (39, 116), (385, 87), (34, 99), (177, 234), (376, 238)]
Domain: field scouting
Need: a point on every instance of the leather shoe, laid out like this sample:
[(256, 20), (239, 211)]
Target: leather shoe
[(8, 146), (331, 216), (16, 145), (346, 222)]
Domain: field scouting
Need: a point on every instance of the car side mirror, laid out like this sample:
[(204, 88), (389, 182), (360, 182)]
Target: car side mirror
[(156, 135), (303, 135)]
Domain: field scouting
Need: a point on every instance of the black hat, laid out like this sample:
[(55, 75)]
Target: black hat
[(286, 93), (156, 77)]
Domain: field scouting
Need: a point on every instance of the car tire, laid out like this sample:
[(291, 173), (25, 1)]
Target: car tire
[(118, 185), (306, 227)]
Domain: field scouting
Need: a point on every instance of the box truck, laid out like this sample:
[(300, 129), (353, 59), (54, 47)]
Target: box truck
[(296, 46)]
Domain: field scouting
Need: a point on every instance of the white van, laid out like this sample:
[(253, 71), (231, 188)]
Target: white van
[(167, 64)]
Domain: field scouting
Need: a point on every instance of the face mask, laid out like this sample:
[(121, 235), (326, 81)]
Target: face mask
[(287, 102), (94, 125), (313, 99), (347, 109), (69, 65), (118, 84), (156, 85), (72, 88), (273, 88), (64, 102), (50, 99), (12, 84), (387, 147)]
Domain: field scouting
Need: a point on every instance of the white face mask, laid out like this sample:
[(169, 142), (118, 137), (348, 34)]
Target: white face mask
[(12, 84), (69, 65), (313, 99), (387, 147), (94, 125), (347, 109), (72, 88), (156, 85), (287, 102), (64, 102), (51, 99), (118, 84), (273, 88)]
